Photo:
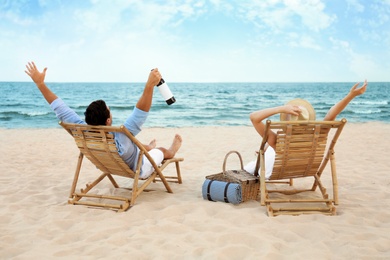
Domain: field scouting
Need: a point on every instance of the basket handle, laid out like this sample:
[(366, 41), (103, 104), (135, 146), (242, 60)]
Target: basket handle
[(227, 155)]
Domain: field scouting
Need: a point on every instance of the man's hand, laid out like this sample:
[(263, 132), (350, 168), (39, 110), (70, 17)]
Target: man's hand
[(39, 80), (154, 78), (37, 76)]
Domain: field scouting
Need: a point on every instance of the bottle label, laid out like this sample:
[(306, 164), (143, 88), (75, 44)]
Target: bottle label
[(166, 93)]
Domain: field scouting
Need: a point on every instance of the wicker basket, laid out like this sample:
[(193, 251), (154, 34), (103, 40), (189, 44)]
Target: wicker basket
[(250, 184)]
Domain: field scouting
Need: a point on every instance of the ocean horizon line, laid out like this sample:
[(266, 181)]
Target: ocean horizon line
[(203, 82)]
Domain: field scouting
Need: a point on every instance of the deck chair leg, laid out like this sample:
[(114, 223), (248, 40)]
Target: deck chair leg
[(322, 168), (179, 180), (270, 211), (94, 183), (321, 187), (263, 188), (76, 175), (134, 192), (164, 180), (262, 182), (77, 196), (112, 180), (334, 179)]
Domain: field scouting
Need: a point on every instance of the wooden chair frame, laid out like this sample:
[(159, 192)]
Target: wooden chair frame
[(300, 152), (98, 145)]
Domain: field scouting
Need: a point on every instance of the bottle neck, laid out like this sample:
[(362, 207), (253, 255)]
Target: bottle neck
[(162, 81)]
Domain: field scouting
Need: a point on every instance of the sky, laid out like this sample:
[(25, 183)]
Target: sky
[(197, 40)]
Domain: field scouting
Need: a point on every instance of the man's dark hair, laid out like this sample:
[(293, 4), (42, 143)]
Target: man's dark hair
[(97, 113)]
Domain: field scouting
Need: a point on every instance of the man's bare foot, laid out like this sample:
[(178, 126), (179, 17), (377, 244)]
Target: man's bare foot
[(176, 144), (151, 145)]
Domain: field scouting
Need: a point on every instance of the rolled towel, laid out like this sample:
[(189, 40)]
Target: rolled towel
[(222, 191)]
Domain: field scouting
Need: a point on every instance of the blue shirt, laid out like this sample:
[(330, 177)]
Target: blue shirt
[(126, 148)]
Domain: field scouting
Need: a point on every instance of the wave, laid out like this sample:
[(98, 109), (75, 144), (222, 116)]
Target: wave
[(32, 114), (21, 113), (370, 102), (369, 111)]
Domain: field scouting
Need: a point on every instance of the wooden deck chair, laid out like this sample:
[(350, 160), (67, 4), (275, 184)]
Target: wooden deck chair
[(301, 152), (98, 145)]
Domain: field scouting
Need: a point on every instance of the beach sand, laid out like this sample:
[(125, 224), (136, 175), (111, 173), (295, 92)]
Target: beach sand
[(36, 222)]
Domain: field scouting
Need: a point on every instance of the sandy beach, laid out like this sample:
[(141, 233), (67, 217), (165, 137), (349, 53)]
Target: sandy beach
[(36, 222)]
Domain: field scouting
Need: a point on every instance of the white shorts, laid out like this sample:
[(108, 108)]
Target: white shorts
[(147, 168)]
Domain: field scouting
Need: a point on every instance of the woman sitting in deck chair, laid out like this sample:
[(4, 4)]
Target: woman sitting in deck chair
[(297, 109)]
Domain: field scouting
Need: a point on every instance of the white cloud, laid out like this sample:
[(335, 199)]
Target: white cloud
[(66, 47), (92, 20), (362, 65), (304, 41), (340, 44), (221, 5), (382, 15), (311, 12), (265, 13), (279, 14), (365, 67), (121, 16), (356, 5), (10, 13)]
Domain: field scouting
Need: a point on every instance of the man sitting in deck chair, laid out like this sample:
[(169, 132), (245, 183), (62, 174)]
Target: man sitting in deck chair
[(296, 109), (98, 113)]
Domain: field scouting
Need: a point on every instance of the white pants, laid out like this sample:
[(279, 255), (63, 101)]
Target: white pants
[(147, 168)]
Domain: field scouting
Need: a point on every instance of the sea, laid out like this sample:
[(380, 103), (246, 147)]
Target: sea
[(197, 104)]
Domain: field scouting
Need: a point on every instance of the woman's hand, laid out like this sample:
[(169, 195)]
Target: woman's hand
[(291, 109), (358, 91)]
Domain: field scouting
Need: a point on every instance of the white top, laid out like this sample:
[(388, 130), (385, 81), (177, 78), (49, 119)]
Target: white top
[(269, 157)]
